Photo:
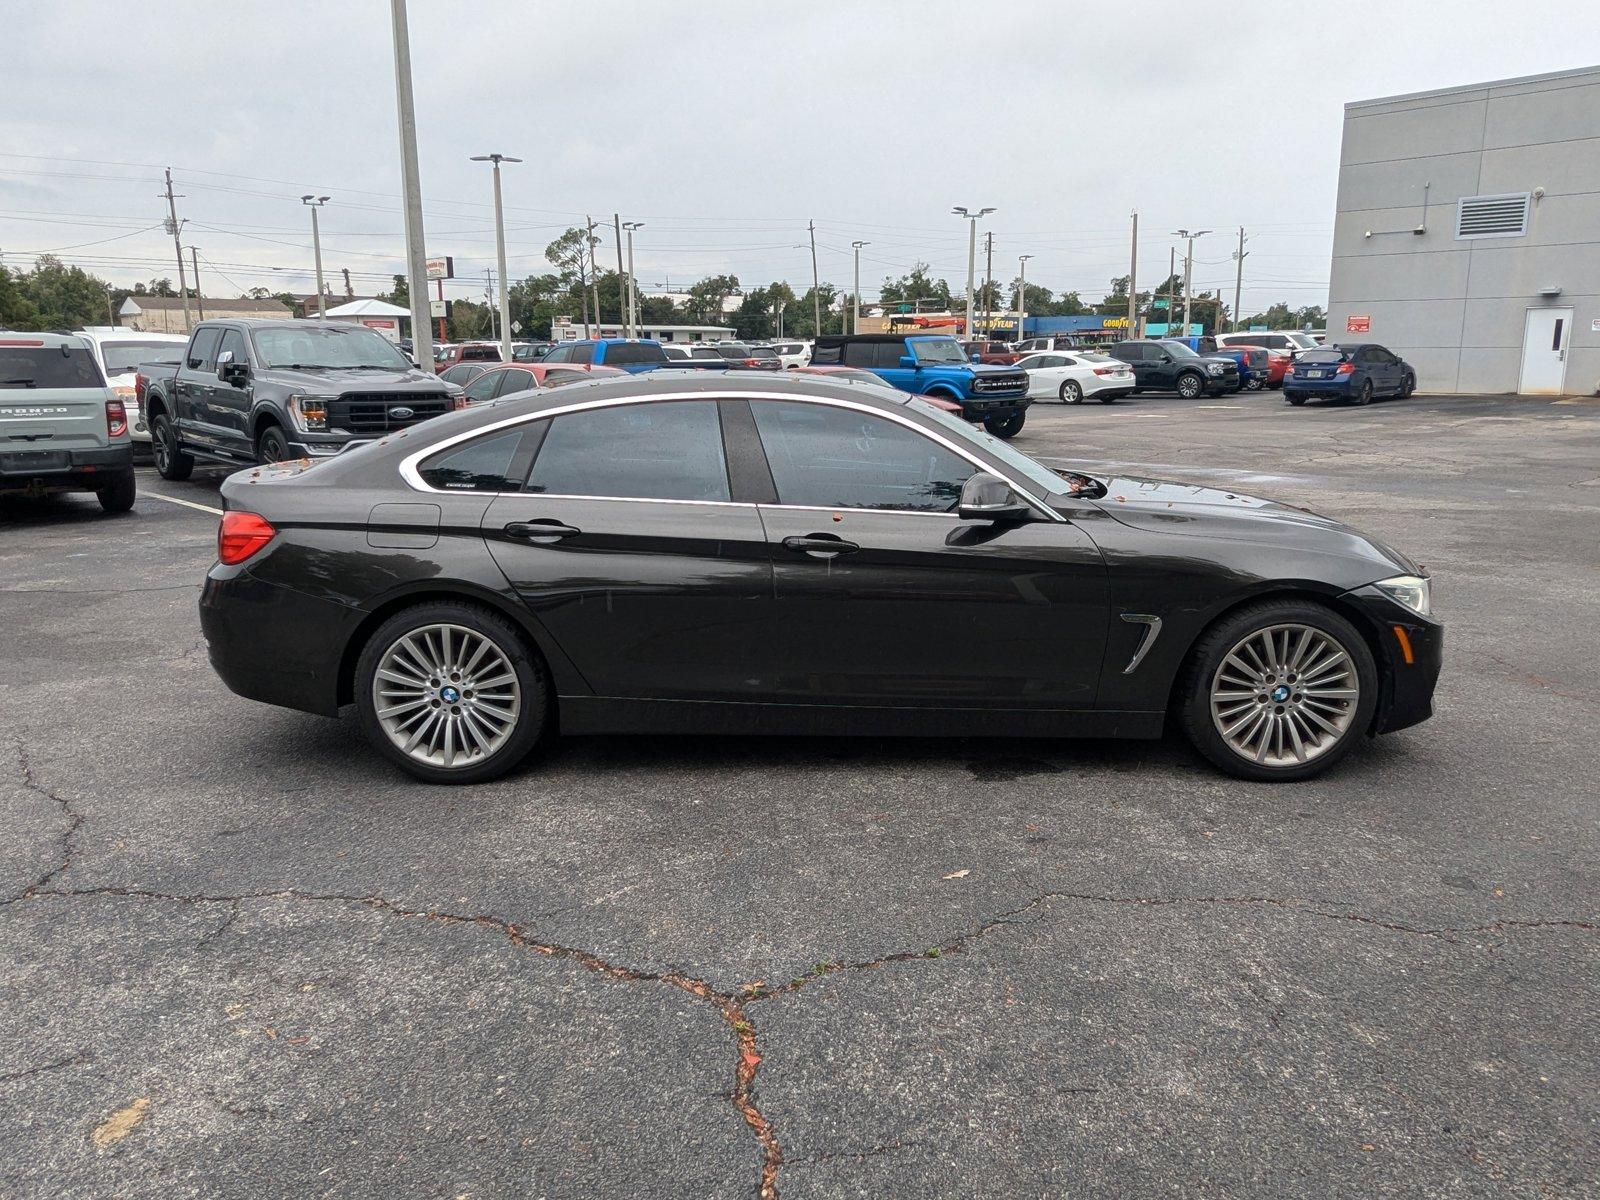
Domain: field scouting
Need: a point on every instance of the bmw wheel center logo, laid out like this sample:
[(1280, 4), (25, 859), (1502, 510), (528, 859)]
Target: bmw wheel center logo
[(449, 694)]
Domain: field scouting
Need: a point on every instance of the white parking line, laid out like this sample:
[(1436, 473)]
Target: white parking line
[(185, 503)]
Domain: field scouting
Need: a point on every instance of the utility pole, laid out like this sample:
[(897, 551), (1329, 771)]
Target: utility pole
[(411, 183), (633, 284), (488, 296), (988, 283), (200, 304), (972, 256), (1188, 271), (624, 313), (1022, 292), (780, 318), (816, 286), (500, 250), (173, 227), (856, 246), (1172, 271), (315, 202), (1133, 280), (594, 269), (1238, 277)]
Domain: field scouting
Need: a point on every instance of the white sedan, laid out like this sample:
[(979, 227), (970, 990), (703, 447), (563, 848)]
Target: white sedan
[(1071, 377)]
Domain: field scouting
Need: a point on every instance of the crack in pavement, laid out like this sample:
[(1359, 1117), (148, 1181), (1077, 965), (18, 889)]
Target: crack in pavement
[(72, 1060), (732, 1006), (68, 837), (1522, 675)]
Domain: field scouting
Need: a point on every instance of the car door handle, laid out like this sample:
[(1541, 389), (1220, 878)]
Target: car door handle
[(541, 533), (819, 545)]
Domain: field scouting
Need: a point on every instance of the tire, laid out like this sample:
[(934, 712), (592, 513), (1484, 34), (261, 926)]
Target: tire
[(171, 462), (507, 723), (1106, 399), (1293, 399), (1071, 392), (272, 446), (1220, 705), (1363, 397), (118, 497), (1006, 427), (1408, 385), (1190, 386), (1254, 385)]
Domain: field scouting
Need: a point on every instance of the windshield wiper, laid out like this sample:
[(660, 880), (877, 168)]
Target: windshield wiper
[(1082, 485), (299, 367), (28, 383)]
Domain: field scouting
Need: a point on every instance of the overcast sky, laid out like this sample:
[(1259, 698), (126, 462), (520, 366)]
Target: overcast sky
[(724, 127)]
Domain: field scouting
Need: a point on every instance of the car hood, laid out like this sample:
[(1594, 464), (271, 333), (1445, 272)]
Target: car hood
[(364, 381), (1189, 510), (990, 369)]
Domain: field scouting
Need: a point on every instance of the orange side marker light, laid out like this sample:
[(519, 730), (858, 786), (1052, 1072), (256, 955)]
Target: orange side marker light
[(1404, 639)]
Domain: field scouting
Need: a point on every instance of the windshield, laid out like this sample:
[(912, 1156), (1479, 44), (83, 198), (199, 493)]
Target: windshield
[(1041, 476), (1303, 341), (123, 356), (938, 350), (1179, 350), (324, 347)]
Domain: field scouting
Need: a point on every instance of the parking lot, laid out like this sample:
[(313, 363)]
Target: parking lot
[(240, 954)]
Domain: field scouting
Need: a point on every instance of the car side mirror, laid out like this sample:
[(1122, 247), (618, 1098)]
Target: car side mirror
[(236, 373), (908, 362), (986, 497)]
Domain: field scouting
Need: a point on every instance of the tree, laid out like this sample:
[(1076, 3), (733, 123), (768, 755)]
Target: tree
[(16, 310), (755, 320), (917, 288), (257, 293), (704, 306), (400, 294), (64, 297), (161, 287)]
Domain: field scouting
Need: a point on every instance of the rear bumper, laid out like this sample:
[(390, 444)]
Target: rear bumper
[(1412, 655), (1315, 387), (89, 469)]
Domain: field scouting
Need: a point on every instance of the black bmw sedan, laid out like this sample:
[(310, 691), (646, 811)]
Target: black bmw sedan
[(726, 554)]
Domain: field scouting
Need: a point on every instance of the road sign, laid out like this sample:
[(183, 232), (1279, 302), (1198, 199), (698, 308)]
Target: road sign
[(516, 327), (439, 308), (441, 268), (1358, 323)]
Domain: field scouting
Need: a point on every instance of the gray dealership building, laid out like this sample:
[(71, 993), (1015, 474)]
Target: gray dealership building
[(1467, 236)]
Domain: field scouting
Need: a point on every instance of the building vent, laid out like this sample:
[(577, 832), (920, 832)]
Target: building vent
[(1492, 216)]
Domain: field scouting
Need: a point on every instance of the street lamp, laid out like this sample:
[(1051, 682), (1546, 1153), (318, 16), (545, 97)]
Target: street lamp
[(1188, 271), (972, 257), (500, 249), (315, 202), (633, 284), (1022, 292), (857, 247)]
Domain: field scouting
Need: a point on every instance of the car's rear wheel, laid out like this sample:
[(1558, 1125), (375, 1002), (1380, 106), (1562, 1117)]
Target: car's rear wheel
[(451, 693), (1007, 426), (171, 463), (1297, 401), (1254, 385), (119, 495), (1278, 691), (272, 446), (1071, 392), (1190, 385)]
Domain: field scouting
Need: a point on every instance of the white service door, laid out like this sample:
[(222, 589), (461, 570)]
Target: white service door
[(1545, 339)]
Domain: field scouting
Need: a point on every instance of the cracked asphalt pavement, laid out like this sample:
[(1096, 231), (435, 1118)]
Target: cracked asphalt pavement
[(240, 957)]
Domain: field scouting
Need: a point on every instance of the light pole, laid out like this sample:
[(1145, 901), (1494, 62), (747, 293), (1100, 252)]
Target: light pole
[(972, 257), (1188, 271), (1022, 293), (411, 188), (315, 202), (857, 247), (633, 284), (500, 250)]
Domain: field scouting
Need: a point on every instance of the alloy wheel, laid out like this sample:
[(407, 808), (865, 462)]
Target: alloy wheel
[(160, 449), (1285, 695), (446, 695)]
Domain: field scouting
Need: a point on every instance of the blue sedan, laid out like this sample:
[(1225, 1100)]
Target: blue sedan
[(1353, 373)]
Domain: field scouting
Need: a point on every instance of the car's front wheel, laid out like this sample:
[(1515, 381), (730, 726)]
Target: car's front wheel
[(451, 693), (1007, 426), (1190, 386), (1279, 690), (1407, 386), (272, 446), (1071, 392)]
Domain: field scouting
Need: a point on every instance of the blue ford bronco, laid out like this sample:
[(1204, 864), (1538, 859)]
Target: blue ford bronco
[(934, 365)]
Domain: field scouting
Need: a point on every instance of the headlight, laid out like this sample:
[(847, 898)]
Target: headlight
[(1414, 591), (309, 412), (1214, 368)]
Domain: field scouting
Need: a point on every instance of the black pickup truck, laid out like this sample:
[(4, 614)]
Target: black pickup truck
[(266, 391)]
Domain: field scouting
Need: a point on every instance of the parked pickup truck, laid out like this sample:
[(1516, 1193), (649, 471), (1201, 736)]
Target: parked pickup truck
[(633, 355), (934, 365), (268, 391), (61, 428)]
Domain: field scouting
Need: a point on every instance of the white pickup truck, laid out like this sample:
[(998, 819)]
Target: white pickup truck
[(119, 353)]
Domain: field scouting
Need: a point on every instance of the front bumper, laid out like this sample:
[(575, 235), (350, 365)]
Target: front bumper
[(1411, 657), (980, 408)]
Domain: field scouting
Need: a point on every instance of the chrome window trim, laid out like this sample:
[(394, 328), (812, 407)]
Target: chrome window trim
[(413, 478)]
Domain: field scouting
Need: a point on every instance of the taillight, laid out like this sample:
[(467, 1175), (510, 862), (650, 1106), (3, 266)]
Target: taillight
[(116, 419), (1105, 370), (1346, 369), (240, 535), (138, 389)]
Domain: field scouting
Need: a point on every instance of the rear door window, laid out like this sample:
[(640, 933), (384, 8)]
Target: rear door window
[(484, 386), (582, 355), (515, 381), (860, 354), (664, 450), (486, 464), (826, 457), (33, 367)]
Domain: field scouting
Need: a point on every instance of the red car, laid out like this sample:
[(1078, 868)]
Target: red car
[(507, 378), (999, 354), (860, 376), (1278, 362)]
